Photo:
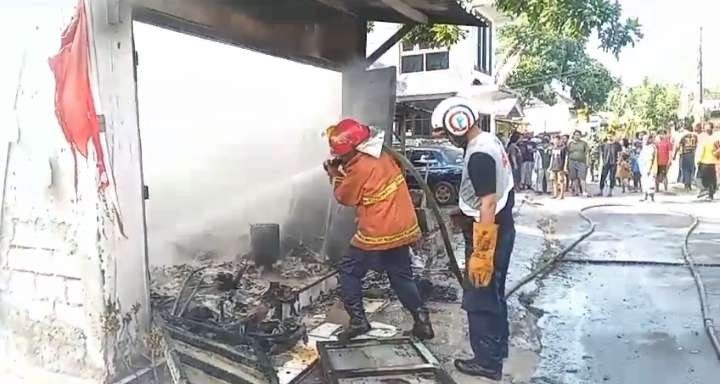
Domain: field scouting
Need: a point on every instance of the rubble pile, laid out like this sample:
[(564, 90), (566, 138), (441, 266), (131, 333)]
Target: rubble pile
[(233, 291), (302, 262), (234, 310)]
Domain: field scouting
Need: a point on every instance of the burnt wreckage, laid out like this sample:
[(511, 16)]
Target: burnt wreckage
[(238, 321), (246, 312)]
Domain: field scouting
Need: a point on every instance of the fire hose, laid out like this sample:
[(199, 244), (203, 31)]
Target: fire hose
[(435, 208), (704, 307)]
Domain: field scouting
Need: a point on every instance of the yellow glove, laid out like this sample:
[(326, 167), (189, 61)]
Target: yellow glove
[(482, 260)]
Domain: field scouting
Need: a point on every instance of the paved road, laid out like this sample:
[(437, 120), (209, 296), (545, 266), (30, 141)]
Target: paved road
[(624, 323)]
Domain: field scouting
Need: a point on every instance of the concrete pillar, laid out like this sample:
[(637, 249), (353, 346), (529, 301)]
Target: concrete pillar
[(122, 240)]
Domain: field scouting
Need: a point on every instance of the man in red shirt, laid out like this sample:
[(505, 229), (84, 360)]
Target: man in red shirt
[(664, 149)]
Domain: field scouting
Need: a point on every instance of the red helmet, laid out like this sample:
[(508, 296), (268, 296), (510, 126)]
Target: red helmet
[(346, 135)]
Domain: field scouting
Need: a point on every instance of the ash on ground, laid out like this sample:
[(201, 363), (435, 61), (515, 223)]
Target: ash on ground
[(436, 288), (232, 291)]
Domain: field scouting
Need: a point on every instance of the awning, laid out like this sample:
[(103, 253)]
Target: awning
[(328, 33), (507, 108), (497, 101), (410, 11), (490, 100)]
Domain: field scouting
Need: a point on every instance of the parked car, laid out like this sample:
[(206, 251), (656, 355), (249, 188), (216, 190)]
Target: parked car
[(441, 166)]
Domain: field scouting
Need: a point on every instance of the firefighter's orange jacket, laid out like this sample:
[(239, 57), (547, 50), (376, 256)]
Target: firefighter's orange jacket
[(385, 213)]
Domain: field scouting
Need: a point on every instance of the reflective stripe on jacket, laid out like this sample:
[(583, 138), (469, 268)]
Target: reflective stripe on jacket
[(385, 213)]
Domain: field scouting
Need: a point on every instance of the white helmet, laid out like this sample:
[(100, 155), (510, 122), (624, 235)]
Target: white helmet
[(456, 114)]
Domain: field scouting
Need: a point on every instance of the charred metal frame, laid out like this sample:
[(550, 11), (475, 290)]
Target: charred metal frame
[(333, 376)]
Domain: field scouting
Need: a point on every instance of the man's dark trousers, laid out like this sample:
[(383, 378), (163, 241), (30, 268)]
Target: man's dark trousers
[(486, 307), (608, 171), (687, 168), (395, 262)]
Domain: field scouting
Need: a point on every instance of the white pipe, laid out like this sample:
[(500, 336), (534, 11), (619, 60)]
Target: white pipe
[(4, 169)]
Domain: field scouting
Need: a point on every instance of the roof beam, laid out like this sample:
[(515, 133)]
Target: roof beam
[(407, 11), (389, 43), (336, 4)]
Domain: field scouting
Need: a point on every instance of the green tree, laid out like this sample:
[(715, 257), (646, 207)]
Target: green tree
[(577, 20), (573, 19), (648, 106), (549, 57)]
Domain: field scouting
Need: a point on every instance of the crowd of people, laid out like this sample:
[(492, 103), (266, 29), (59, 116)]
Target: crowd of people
[(560, 164)]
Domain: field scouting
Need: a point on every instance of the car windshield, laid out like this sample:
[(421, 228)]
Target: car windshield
[(453, 155)]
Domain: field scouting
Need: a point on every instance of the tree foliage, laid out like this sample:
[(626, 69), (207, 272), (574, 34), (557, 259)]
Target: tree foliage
[(550, 57), (435, 35), (577, 20), (649, 106), (551, 36), (573, 19), (550, 60)]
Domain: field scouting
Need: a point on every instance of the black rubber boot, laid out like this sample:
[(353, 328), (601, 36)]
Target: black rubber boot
[(473, 368), (422, 328), (358, 325)]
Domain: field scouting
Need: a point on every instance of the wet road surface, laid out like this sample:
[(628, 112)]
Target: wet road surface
[(610, 323), (624, 323)]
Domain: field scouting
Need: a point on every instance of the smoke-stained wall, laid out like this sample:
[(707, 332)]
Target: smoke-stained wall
[(229, 137)]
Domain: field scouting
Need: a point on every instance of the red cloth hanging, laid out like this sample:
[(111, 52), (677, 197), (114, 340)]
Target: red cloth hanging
[(74, 105)]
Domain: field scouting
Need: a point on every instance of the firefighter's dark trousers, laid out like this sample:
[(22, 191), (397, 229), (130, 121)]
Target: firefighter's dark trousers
[(395, 262), (486, 307)]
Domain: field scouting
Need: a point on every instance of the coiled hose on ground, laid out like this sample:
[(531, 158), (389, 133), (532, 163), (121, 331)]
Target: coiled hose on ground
[(708, 322)]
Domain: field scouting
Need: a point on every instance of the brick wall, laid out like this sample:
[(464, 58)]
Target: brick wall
[(49, 229), (43, 317)]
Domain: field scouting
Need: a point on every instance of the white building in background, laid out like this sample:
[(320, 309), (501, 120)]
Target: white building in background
[(544, 118), (557, 118), (428, 75)]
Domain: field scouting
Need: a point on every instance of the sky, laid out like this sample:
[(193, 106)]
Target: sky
[(669, 50)]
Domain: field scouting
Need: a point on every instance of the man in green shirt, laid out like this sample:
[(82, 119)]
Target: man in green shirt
[(578, 154)]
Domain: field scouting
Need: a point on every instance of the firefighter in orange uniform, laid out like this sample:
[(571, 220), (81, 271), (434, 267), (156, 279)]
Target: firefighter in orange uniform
[(386, 225)]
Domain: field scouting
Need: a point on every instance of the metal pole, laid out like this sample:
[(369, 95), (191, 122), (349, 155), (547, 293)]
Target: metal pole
[(700, 77)]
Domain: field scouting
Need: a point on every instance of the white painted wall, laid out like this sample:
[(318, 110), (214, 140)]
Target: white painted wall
[(49, 274), (229, 138), (460, 75)]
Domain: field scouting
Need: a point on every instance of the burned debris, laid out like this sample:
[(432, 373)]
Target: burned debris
[(239, 321), (232, 320), (440, 288)]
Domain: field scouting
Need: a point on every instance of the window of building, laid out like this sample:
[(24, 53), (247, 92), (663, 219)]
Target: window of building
[(437, 60), (419, 58), (412, 63), (418, 125), (485, 49)]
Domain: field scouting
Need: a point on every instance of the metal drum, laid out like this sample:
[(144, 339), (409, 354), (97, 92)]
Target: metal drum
[(265, 243)]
